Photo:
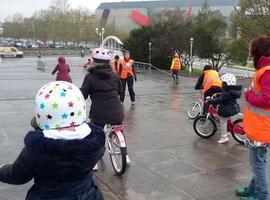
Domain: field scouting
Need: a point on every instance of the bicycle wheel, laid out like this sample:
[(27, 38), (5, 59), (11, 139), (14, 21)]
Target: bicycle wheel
[(117, 154), (204, 127), (193, 110), (238, 131)]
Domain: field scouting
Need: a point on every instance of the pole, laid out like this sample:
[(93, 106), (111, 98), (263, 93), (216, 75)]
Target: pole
[(150, 52), (191, 55)]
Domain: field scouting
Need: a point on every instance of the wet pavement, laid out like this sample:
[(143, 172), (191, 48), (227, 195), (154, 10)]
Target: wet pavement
[(169, 161)]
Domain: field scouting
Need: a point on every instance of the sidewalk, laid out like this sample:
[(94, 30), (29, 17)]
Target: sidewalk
[(170, 162)]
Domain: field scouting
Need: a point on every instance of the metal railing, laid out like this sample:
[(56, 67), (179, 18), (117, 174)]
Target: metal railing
[(142, 67)]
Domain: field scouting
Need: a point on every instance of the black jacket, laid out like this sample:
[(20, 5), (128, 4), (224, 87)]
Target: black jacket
[(61, 169), (104, 89), (228, 105)]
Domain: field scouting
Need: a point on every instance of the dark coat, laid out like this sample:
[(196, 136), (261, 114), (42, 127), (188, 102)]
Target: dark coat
[(228, 105), (61, 169), (104, 89)]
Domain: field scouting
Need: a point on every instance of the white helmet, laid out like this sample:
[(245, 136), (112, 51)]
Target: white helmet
[(101, 54), (59, 104), (229, 79)]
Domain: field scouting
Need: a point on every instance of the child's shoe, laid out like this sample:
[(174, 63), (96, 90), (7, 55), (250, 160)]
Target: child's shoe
[(128, 160), (223, 140), (243, 192), (95, 167)]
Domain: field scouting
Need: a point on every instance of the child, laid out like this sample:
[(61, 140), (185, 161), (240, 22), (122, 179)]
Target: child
[(63, 70), (104, 89), (60, 154), (228, 105)]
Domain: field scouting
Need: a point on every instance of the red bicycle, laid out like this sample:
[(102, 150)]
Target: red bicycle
[(205, 126)]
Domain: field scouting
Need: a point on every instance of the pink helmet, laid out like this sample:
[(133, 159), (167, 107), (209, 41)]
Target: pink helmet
[(101, 54)]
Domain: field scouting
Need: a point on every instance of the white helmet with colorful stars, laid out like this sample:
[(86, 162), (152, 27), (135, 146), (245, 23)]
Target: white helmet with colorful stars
[(59, 104)]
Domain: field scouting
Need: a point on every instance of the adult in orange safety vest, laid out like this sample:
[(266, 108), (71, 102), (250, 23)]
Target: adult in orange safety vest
[(210, 82), (175, 67), (256, 120), (127, 74), (115, 64)]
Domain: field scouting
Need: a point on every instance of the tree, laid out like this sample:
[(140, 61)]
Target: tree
[(250, 19), (209, 36), (170, 34)]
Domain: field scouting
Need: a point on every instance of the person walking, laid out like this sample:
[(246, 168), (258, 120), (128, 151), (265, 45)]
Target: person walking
[(127, 73), (63, 70), (256, 121), (175, 67)]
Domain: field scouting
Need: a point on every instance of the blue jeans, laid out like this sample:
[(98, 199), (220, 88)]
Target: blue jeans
[(258, 184)]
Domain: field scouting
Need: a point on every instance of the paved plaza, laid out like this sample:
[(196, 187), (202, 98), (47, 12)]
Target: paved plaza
[(169, 161)]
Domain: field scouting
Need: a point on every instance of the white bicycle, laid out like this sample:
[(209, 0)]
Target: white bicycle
[(116, 147), (195, 108)]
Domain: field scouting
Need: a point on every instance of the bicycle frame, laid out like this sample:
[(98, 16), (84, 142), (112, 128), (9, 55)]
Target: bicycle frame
[(230, 125), (118, 130)]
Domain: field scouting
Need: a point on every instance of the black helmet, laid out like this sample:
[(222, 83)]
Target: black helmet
[(207, 67)]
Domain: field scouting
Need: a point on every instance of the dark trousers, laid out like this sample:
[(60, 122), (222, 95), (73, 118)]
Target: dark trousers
[(175, 75), (128, 81), (213, 90)]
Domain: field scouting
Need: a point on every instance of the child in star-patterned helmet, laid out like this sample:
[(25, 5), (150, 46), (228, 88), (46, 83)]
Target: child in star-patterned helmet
[(61, 153)]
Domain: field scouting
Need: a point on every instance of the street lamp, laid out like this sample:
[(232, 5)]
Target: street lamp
[(191, 54), (100, 32), (150, 52)]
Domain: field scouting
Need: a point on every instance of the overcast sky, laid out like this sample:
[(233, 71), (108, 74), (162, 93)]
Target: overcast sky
[(27, 7)]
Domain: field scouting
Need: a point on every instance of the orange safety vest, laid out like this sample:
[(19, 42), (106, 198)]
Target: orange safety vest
[(126, 68), (211, 78), (257, 120), (115, 66), (176, 65)]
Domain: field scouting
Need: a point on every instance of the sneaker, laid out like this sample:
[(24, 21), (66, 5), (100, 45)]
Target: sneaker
[(128, 160), (249, 198), (243, 192), (122, 102), (223, 140), (95, 167), (133, 103)]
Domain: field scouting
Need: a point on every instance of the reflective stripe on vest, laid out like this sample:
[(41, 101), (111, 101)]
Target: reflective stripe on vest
[(126, 69), (177, 64), (211, 78), (257, 120)]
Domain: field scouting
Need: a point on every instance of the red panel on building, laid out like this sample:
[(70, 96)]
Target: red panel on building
[(140, 18)]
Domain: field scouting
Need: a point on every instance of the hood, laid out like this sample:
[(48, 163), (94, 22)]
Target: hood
[(37, 143), (234, 90), (62, 60), (102, 72), (263, 62)]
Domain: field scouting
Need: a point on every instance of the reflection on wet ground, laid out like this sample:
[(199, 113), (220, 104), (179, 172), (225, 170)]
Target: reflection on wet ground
[(169, 161)]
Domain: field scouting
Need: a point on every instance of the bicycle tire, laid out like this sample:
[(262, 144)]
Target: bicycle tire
[(191, 106), (235, 135), (203, 118), (123, 151)]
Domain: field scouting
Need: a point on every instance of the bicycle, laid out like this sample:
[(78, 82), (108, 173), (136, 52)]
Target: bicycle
[(195, 108), (116, 147), (205, 126)]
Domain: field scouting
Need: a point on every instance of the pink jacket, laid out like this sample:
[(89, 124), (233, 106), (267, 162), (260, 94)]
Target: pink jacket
[(261, 101), (63, 70)]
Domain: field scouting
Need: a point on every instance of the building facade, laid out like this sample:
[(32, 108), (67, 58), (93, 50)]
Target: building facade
[(125, 16)]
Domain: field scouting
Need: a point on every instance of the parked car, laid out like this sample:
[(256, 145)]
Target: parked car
[(10, 52)]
